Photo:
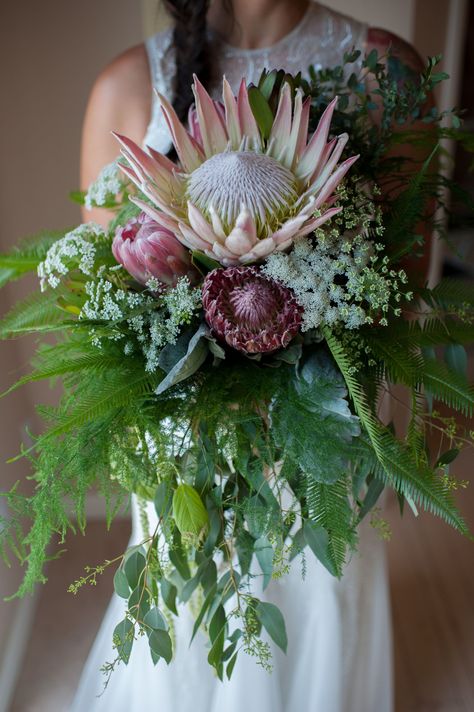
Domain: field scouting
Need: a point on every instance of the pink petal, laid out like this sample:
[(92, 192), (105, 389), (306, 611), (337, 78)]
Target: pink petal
[(281, 128), (316, 222), (189, 238), (238, 242), (261, 249), (282, 246), (303, 128), (158, 215), (164, 161), (288, 155), (199, 224), (326, 170), (222, 252), (231, 116), (188, 150), (217, 224), (245, 221), (247, 121), (311, 156), (214, 135), (138, 157), (289, 229), (334, 180)]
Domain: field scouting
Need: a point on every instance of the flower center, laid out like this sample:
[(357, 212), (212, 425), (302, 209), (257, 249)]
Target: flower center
[(235, 178), (253, 304)]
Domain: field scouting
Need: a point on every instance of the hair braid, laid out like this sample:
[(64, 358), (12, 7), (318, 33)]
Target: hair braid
[(190, 43)]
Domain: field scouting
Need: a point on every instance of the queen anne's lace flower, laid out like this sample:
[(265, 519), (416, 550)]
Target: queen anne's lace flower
[(108, 184), (76, 249), (338, 279), (235, 196)]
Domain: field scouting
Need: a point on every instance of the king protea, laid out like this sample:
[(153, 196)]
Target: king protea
[(234, 196)]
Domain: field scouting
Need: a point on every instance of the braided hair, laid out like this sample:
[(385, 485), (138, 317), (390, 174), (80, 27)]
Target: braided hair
[(191, 47)]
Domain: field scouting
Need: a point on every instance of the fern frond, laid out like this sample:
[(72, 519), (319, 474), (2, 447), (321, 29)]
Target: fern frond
[(415, 335), (328, 506), (99, 399), (447, 386), (399, 365), (39, 312), (450, 293), (400, 469), (89, 363), (26, 256), (407, 208)]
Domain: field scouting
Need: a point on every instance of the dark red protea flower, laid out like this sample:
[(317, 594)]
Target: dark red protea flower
[(248, 311)]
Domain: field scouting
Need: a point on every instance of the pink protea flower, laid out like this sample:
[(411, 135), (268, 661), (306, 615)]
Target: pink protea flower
[(235, 196), (146, 249), (248, 311)]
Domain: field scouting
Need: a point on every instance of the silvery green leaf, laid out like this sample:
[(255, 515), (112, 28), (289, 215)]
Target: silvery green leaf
[(187, 364), (272, 620), (264, 553)]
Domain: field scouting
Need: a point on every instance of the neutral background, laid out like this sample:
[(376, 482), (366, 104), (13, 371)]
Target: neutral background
[(50, 52)]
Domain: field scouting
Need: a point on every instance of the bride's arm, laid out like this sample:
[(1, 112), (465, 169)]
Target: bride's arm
[(120, 101)]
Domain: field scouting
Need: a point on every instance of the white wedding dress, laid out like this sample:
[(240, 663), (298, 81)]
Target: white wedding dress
[(339, 652)]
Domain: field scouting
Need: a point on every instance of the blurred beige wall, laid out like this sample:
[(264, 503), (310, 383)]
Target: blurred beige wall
[(50, 53)]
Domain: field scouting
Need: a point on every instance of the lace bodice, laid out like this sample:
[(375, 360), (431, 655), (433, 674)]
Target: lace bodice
[(319, 39)]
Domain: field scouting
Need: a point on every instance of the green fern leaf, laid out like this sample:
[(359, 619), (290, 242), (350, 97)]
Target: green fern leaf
[(38, 312), (26, 256), (447, 386), (400, 468)]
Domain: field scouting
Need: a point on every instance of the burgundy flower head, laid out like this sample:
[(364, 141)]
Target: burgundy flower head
[(248, 311), (146, 249)]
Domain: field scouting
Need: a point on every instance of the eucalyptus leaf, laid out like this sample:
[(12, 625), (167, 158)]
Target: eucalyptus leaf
[(169, 593), (264, 554), (272, 620), (133, 568), (154, 619), (121, 585), (261, 111), (179, 366), (123, 637), (160, 642), (318, 541)]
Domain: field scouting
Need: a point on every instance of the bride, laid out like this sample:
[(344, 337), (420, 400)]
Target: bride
[(339, 656)]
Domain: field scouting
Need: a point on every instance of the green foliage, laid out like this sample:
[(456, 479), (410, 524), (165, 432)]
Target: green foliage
[(313, 409), (330, 510), (26, 256)]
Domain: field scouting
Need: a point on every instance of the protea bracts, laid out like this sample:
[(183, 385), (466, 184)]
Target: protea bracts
[(236, 196), (146, 250), (248, 311)]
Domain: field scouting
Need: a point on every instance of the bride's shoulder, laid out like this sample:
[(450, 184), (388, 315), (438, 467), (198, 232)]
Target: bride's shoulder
[(127, 77), (120, 100)]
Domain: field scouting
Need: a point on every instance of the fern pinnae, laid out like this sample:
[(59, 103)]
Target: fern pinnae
[(400, 469), (447, 386)]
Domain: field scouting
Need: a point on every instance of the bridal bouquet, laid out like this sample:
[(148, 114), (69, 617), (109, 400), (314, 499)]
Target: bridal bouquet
[(225, 345)]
